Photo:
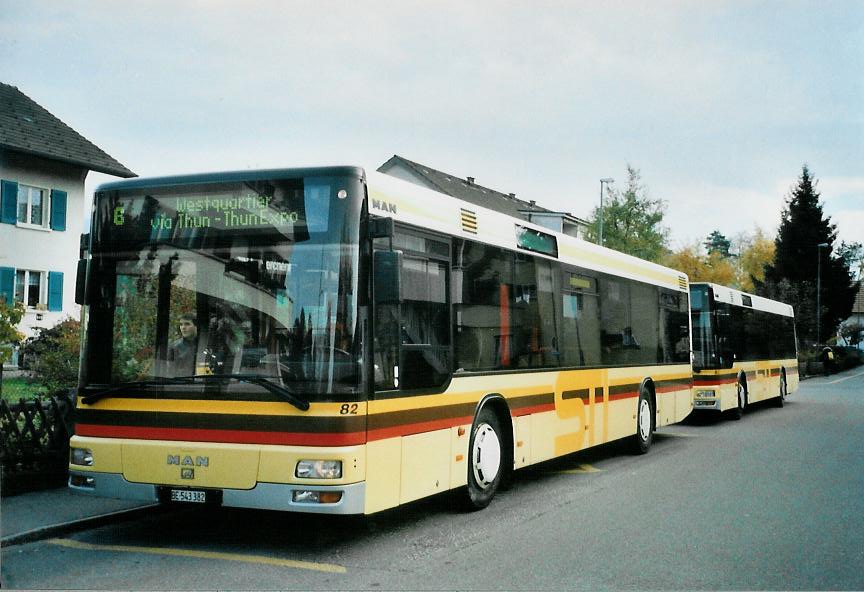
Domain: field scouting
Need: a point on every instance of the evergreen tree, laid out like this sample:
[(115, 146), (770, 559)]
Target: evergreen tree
[(718, 243), (798, 259)]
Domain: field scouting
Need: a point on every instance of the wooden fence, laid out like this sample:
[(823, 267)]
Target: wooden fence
[(34, 442)]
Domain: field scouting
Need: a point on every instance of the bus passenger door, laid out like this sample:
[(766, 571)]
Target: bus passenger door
[(408, 457)]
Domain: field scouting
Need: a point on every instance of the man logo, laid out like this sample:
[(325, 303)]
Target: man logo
[(187, 461), (380, 204), (187, 473)]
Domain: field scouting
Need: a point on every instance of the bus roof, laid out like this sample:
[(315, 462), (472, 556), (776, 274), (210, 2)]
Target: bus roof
[(739, 298), (425, 208), (231, 176)]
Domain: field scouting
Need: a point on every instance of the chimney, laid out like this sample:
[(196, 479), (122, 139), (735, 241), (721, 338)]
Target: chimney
[(470, 180)]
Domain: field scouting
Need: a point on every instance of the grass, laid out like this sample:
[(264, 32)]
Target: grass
[(17, 388)]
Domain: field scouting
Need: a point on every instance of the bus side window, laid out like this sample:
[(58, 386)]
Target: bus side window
[(425, 324)]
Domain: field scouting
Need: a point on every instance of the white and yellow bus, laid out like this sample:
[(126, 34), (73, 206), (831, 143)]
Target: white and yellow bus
[(744, 349), (340, 341)]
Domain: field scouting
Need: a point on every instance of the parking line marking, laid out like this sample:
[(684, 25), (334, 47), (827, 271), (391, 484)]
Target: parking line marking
[(326, 567), (845, 378)]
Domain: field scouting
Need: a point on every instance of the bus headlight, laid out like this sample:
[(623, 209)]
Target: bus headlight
[(319, 469), (82, 457)]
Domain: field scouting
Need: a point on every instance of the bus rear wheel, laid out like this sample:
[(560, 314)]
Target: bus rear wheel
[(738, 412), (485, 450), (644, 424), (784, 391)]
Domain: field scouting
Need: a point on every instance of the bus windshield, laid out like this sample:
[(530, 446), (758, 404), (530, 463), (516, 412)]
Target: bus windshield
[(249, 279)]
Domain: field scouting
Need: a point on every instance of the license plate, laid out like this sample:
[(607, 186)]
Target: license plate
[(184, 495)]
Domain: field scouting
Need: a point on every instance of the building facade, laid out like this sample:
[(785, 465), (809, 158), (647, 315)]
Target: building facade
[(43, 165), (470, 191), (857, 317)]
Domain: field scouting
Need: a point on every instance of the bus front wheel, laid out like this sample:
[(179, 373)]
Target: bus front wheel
[(486, 452)]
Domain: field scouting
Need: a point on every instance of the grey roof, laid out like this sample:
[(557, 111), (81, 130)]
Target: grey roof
[(25, 126), (465, 189), (858, 305)]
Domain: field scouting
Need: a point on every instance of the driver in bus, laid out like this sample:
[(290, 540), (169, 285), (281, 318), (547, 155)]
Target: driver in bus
[(183, 351)]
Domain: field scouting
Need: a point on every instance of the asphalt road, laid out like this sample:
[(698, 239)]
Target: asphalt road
[(774, 501)]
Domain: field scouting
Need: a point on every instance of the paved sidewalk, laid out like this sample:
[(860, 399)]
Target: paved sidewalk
[(41, 514)]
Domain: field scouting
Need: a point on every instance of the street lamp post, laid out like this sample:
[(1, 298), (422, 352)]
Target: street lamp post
[(819, 248), (602, 181)]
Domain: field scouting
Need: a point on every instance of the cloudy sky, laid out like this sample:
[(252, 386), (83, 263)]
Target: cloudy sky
[(718, 104)]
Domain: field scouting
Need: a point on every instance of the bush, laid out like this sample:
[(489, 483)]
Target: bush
[(848, 357), (53, 356)]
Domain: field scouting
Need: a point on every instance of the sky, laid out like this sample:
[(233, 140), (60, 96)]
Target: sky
[(718, 104)]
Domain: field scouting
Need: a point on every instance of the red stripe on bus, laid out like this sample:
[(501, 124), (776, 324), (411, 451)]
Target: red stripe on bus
[(417, 428), (671, 389), (620, 396), (533, 409), (719, 381), (227, 436)]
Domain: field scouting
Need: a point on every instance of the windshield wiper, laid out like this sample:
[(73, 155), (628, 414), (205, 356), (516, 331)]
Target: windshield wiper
[(256, 379)]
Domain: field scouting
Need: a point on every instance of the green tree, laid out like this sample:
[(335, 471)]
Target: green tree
[(853, 254), (701, 267), (798, 259), (53, 355), (10, 336), (755, 252), (718, 243), (632, 221)]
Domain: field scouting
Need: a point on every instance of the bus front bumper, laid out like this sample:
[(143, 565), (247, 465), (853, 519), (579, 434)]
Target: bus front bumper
[(264, 496), (709, 404)]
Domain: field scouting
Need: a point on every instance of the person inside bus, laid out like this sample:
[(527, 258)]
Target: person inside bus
[(183, 351)]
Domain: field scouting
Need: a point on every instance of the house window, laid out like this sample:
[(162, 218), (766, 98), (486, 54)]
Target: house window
[(32, 205), (28, 287)]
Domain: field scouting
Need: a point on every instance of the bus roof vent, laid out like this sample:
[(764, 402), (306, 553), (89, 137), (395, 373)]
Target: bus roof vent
[(682, 283), (469, 221)]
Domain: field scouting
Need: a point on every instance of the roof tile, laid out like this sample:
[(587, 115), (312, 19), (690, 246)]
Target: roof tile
[(26, 126)]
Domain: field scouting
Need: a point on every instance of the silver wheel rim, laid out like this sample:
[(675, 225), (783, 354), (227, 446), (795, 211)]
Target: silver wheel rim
[(644, 420), (783, 388), (740, 397), (485, 455)]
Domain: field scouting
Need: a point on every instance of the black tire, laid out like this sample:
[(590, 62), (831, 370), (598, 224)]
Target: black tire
[(738, 412), (485, 460), (644, 435), (784, 391)]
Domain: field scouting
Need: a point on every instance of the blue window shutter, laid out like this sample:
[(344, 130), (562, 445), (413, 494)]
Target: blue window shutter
[(7, 283), (9, 199), (58, 209), (55, 290)]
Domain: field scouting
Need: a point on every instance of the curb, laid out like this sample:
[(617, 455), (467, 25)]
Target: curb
[(54, 530)]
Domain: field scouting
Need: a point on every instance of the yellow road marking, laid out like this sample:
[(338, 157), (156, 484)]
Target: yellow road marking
[(327, 567), (580, 469), (846, 378)]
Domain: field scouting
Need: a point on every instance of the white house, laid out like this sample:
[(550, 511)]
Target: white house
[(470, 191), (43, 165)]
